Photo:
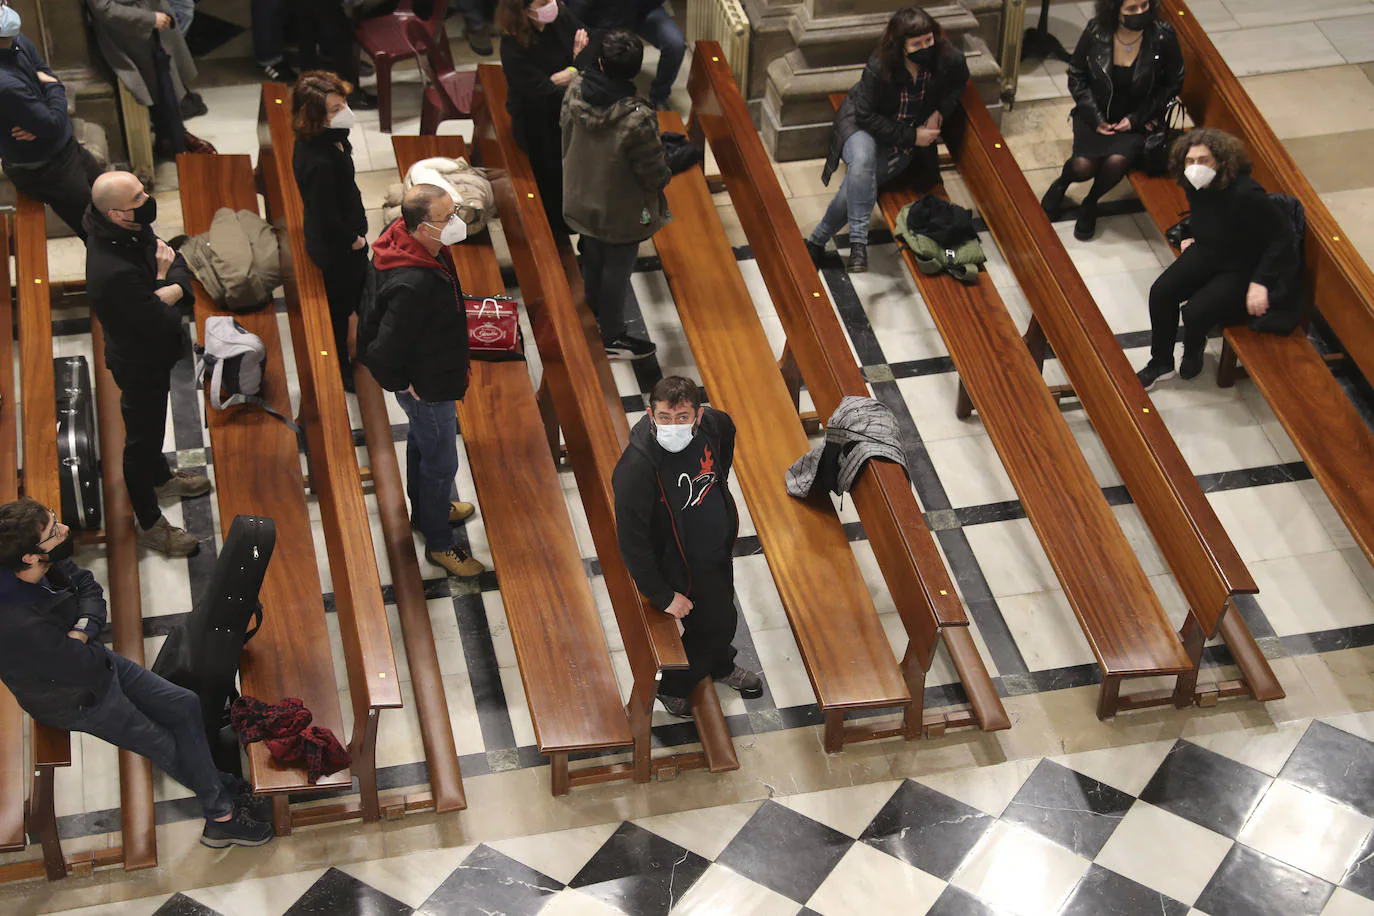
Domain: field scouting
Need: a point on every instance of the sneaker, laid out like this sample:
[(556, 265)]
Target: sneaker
[(459, 512), (749, 684), (185, 484), (457, 562), (280, 72), (239, 830), (627, 347), (1190, 367), (362, 100), (479, 40), (817, 252), (1086, 227), (1154, 373), (676, 706), (192, 106), (1053, 201), (858, 258), (167, 539)]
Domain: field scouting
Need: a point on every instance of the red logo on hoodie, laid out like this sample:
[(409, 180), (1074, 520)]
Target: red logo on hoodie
[(701, 484)]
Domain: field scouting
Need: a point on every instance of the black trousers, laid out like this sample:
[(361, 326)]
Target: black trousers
[(1215, 296), (708, 633), (537, 133), (606, 271), (63, 183), (324, 38), (145, 467), (344, 274), (166, 111)]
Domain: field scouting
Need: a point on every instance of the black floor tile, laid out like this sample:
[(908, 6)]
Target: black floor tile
[(785, 851), (338, 893), (927, 829), (181, 905), (490, 882), (1074, 810), (1360, 878), (1206, 788), (957, 902), (639, 872), (1249, 883), (1335, 763), (1103, 892)]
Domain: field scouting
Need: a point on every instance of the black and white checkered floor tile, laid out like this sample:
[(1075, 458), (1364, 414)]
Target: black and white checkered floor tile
[(1261, 822)]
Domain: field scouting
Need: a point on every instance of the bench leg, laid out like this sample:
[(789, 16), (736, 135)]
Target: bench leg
[(546, 412), (963, 406), (913, 720), (558, 772), (1109, 698), (1036, 344), (640, 711), (364, 754), (834, 731), (43, 822), (791, 375), (1193, 639), (716, 742), (1227, 371), (281, 815)]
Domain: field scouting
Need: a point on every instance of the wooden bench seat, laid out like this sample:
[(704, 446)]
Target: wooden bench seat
[(911, 564), (257, 472), (578, 387), (842, 643)]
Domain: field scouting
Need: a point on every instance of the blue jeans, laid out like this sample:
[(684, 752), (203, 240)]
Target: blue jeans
[(431, 462), (183, 11), (155, 718), (867, 165), (660, 30)]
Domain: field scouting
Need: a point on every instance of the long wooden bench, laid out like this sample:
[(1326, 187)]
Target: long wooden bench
[(1125, 624), (257, 472), (1293, 376), (1199, 552), (337, 480), (842, 643), (578, 384), (916, 576), (12, 766)]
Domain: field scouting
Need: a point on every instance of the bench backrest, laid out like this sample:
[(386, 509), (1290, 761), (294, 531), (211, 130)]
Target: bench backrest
[(12, 769)]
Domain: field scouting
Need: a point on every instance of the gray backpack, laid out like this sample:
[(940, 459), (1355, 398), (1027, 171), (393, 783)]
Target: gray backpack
[(232, 357)]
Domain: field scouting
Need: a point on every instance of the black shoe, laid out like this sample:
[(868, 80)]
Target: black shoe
[(239, 830), (817, 252), (348, 384), (479, 40), (280, 72), (1086, 227), (858, 258), (676, 706), (192, 106), (362, 100), (1191, 365), (1154, 372), (627, 347), (1053, 201)]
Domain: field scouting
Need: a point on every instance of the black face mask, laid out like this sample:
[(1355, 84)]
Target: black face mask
[(1137, 22), (61, 552), (145, 214), (923, 58)]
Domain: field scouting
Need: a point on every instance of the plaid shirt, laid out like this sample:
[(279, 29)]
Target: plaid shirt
[(912, 97)]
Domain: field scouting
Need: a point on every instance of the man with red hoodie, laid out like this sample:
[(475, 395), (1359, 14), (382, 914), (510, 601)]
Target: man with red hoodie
[(413, 337)]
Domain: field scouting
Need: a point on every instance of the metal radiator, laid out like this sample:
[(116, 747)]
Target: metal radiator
[(723, 21)]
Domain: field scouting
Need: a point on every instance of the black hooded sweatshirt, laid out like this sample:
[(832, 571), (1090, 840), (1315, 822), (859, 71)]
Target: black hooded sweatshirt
[(654, 489)]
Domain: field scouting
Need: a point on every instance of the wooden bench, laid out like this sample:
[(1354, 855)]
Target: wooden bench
[(1293, 376), (1199, 552), (1125, 625), (842, 643), (257, 472), (12, 765), (817, 346), (578, 384)]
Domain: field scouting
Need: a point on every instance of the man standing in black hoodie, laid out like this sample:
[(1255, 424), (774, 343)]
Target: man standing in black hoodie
[(138, 287), (413, 337), (51, 613), (676, 524)]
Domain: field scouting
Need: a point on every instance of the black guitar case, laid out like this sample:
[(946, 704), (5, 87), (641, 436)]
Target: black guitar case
[(202, 654), (77, 453)]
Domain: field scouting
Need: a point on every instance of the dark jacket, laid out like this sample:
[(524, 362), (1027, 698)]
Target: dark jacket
[(1241, 229), (616, 14), (871, 104), (334, 214), (412, 324), (613, 159), (1156, 77), (648, 529), (30, 104), (46, 670), (533, 100), (143, 335)]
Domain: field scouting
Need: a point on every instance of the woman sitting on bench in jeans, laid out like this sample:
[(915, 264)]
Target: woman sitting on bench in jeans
[(892, 116), (1239, 250)]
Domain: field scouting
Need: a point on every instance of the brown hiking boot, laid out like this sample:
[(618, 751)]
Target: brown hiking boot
[(459, 512), (457, 562), (168, 539), (184, 483)]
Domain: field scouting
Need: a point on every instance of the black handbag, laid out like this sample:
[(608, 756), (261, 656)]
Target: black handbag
[(1154, 156)]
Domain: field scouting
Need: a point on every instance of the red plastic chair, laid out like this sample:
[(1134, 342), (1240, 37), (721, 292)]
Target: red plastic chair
[(384, 40), (448, 92)]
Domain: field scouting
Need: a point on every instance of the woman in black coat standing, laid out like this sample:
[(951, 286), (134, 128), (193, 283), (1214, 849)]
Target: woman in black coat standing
[(541, 43), (893, 116), (1125, 69), (1240, 261), (335, 221)]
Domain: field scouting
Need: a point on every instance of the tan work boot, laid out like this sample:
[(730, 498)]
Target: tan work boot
[(167, 539), (459, 512), (184, 483), (457, 562)]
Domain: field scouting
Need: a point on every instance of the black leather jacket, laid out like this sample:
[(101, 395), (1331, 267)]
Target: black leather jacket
[(1158, 75)]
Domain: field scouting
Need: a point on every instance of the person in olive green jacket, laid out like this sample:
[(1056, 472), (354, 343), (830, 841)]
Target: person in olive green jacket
[(614, 174)]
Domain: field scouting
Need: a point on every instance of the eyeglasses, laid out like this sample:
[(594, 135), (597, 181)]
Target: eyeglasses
[(56, 533)]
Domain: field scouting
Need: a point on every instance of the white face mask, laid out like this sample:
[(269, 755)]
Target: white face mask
[(10, 22), (1199, 175), (674, 438), (453, 231), (344, 119)]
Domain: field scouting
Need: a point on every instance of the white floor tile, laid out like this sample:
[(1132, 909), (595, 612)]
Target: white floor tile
[(559, 855), (410, 878), (1306, 830), (848, 809), (1163, 851), (720, 890), (1020, 871), (1270, 522), (987, 788), (873, 882), (1273, 49), (1311, 593), (706, 831)]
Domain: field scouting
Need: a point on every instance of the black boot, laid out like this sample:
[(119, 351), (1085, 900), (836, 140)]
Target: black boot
[(817, 252), (1086, 227), (858, 258), (1053, 201)]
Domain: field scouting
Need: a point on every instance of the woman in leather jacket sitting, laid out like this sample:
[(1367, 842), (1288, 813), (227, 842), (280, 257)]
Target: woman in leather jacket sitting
[(1126, 68)]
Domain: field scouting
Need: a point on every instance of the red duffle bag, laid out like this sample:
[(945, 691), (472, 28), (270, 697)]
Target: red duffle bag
[(493, 328)]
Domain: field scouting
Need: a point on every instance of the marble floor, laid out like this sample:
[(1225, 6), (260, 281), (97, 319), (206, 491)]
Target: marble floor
[(1241, 809)]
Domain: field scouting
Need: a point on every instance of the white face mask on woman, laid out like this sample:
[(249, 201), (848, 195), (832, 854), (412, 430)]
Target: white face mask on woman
[(545, 14), (674, 438), (1199, 175), (343, 119)]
